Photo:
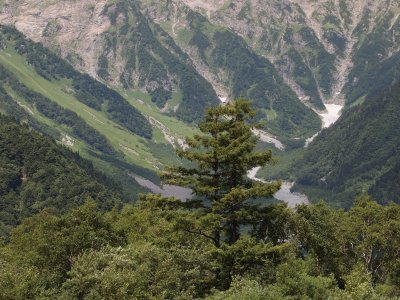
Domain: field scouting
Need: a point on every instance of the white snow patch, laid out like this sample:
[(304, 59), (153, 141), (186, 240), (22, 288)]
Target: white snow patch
[(252, 174), (223, 99), (309, 140), (332, 115)]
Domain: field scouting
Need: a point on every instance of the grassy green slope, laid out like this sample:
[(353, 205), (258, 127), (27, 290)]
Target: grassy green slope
[(131, 150)]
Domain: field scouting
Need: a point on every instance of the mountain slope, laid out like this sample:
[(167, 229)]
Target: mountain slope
[(169, 60), (320, 47), (234, 69), (360, 153), (46, 92), (87, 90), (322, 50), (376, 55), (131, 48), (36, 173), (118, 44)]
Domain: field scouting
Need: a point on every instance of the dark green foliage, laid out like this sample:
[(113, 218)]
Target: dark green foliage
[(253, 77), (103, 59), (336, 39), (144, 251), (387, 186), (302, 56), (163, 153), (37, 173), (162, 248), (11, 108), (366, 235), (54, 241), (363, 25), (344, 12), (103, 66), (160, 96), (374, 79), (131, 168), (87, 89), (245, 12), (200, 41), (69, 118), (358, 153), (331, 19), (222, 156)]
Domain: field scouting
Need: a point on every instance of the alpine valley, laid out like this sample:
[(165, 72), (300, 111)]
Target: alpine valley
[(123, 82), (190, 149)]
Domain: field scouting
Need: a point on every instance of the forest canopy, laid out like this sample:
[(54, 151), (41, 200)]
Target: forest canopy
[(162, 248)]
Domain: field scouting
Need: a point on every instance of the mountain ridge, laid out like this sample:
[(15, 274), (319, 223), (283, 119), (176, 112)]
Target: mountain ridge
[(335, 27)]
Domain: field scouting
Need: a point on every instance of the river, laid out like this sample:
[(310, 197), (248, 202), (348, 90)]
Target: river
[(167, 190), (284, 194), (332, 114)]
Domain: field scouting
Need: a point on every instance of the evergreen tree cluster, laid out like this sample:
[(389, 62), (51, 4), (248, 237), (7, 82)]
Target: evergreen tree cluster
[(142, 252), (220, 245), (36, 173)]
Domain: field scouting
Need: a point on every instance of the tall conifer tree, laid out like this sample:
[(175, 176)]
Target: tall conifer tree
[(220, 158)]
